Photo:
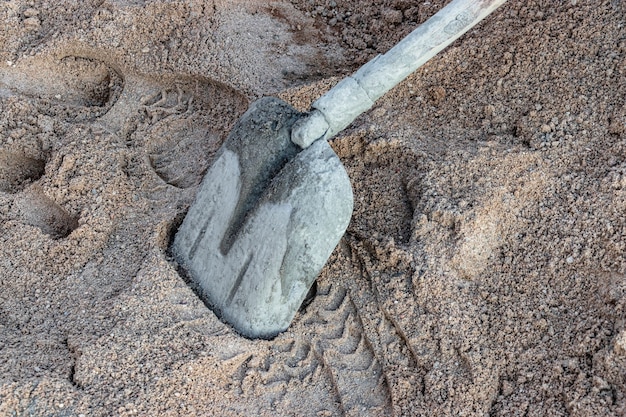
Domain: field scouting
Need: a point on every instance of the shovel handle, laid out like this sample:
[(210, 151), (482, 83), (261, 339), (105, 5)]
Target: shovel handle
[(336, 109)]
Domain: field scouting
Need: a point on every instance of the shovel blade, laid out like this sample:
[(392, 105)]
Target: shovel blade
[(264, 222)]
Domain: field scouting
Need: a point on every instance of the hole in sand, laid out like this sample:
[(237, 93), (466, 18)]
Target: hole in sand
[(17, 170), (380, 171), (37, 209), (75, 88)]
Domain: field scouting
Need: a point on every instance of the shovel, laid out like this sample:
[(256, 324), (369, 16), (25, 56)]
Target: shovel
[(277, 200)]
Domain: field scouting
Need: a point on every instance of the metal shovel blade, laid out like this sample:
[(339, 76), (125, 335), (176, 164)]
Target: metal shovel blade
[(265, 220)]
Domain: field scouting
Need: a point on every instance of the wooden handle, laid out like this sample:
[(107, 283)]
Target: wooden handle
[(335, 110)]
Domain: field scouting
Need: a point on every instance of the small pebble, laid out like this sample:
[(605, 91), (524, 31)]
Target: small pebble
[(507, 388), (30, 12), (620, 344), (438, 94), (32, 23), (392, 16)]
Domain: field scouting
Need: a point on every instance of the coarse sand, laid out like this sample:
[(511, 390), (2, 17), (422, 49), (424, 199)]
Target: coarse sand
[(484, 269)]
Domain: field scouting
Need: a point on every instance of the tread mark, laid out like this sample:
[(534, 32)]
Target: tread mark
[(356, 371)]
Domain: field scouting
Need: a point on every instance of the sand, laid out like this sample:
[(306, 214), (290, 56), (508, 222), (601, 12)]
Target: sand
[(484, 269)]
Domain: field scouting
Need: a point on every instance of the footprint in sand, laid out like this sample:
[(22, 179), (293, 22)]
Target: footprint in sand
[(17, 170), (178, 122), (36, 209), (72, 88), (185, 122)]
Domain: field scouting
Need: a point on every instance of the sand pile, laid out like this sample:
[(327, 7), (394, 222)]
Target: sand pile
[(483, 273)]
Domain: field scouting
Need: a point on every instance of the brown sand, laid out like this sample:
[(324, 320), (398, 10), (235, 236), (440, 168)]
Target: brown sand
[(483, 273)]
